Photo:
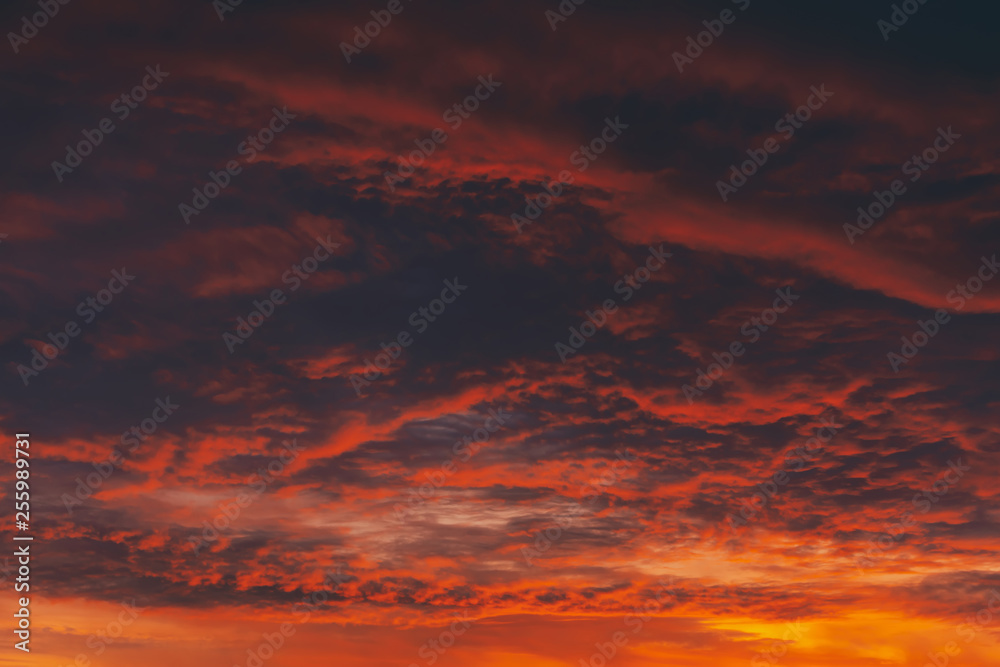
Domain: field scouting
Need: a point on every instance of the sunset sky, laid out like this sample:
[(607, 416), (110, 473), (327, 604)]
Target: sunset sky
[(505, 337)]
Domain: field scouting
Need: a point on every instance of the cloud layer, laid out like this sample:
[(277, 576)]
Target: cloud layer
[(280, 312)]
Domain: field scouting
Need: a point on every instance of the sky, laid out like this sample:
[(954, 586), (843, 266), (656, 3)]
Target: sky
[(508, 333)]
